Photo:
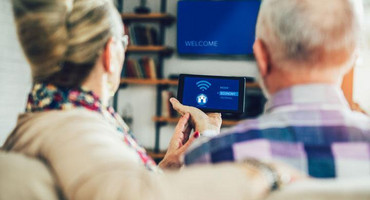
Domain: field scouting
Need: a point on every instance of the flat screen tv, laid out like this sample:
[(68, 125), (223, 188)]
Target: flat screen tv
[(211, 27)]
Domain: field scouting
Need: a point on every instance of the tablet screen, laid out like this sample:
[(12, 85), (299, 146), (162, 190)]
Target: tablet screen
[(213, 94)]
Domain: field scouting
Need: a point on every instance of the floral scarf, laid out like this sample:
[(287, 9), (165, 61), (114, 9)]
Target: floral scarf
[(45, 97)]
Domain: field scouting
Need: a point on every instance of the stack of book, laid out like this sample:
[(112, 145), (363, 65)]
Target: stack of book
[(141, 35), (167, 109), (143, 68)]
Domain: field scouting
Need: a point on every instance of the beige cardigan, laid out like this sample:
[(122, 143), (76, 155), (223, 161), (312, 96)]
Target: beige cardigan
[(90, 161)]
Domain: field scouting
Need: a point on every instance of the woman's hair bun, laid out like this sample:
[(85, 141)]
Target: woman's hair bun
[(42, 31), (62, 39)]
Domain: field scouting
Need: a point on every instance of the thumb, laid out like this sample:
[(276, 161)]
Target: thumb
[(183, 121), (177, 106), (190, 141)]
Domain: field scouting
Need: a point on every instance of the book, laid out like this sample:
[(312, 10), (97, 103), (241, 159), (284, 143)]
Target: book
[(145, 65), (154, 36), (139, 72), (129, 68), (140, 68), (141, 35), (132, 36), (127, 32), (167, 110), (152, 69)]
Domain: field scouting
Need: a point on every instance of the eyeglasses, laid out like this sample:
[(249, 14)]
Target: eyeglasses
[(124, 40)]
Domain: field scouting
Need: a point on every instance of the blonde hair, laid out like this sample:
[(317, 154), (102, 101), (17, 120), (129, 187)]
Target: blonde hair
[(63, 39)]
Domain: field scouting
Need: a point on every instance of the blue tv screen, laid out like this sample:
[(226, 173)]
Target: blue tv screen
[(216, 27)]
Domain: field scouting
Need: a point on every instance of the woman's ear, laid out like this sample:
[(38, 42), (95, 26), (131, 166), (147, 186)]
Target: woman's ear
[(262, 57), (107, 56)]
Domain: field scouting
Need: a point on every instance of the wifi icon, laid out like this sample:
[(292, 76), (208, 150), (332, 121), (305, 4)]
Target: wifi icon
[(203, 85)]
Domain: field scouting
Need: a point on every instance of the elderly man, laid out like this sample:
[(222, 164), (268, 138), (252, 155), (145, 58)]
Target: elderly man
[(303, 49)]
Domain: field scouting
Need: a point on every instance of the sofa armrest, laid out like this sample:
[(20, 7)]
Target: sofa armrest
[(25, 178), (325, 189)]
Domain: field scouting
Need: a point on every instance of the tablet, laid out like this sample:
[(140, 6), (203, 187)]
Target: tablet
[(212, 93)]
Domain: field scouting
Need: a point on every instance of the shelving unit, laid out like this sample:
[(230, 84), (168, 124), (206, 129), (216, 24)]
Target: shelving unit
[(156, 156), (174, 120), (161, 51), (152, 17), (150, 49), (148, 81), (138, 81)]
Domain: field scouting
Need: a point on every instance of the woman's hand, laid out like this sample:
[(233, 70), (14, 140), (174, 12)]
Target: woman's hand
[(287, 173), (268, 177), (179, 143), (200, 120)]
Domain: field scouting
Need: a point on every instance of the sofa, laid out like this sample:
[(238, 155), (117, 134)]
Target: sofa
[(27, 178)]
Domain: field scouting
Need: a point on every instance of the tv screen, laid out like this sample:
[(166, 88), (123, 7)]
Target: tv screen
[(216, 27)]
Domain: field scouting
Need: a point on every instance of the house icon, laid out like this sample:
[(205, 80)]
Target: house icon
[(202, 99)]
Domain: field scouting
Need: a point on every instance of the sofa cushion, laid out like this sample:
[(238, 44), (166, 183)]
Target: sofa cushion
[(25, 178), (326, 189)]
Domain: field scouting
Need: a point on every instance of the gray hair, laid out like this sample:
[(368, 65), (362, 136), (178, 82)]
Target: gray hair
[(310, 32)]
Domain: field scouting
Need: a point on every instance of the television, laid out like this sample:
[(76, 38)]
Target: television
[(225, 27)]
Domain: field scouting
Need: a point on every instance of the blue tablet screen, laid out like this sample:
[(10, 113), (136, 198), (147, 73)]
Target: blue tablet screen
[(211, 93)]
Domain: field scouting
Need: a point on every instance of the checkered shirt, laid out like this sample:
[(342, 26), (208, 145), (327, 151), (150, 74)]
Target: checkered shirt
[(310, 127)]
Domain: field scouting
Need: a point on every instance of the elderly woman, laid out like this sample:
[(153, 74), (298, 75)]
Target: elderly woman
[(76, 55)]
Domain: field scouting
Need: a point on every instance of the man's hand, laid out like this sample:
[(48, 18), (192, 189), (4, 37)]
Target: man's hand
[(179, 143), (199, 120)]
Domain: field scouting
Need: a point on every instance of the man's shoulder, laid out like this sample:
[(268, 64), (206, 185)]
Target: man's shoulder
[(350, 119)]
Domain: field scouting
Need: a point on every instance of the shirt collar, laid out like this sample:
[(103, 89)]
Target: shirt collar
[(310, 94)]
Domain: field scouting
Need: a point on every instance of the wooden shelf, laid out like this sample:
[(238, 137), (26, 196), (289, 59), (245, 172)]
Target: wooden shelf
[(149, 49), (173, 120), (155, 156), (165, 82), (252, 85), (152, 17), (148, 81)]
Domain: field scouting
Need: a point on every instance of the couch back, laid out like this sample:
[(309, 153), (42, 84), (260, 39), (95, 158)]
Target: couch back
[(28, 178), (25, 178)]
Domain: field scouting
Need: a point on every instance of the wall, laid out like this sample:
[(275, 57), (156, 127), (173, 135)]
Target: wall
[(15, 79), (362, 71), (142, 98)]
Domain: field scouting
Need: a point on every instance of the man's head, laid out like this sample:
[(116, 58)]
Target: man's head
[(306, 41)]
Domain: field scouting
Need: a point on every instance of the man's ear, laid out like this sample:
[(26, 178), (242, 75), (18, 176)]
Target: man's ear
[(107, 56), (262, 57)]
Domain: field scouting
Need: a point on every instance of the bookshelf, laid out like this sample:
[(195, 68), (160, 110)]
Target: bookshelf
[(152, 17), (150, 49), (156, 156), (138, 81), (155, 46), (174, 120)]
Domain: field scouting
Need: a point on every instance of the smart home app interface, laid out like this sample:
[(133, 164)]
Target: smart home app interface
[(211, 93)]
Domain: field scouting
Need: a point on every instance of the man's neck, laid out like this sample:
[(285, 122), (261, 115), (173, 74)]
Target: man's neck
[(282, 80)]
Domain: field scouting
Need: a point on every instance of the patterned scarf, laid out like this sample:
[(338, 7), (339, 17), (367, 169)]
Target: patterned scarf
[(46, 97)]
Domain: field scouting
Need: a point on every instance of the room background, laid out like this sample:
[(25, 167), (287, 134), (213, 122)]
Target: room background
[(15, 80)]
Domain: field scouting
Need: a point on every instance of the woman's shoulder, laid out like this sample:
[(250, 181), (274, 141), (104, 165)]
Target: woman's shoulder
[(36, 130), (55, 119)]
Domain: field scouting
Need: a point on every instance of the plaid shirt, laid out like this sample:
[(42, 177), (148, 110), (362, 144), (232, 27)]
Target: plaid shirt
[(310, 127)]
